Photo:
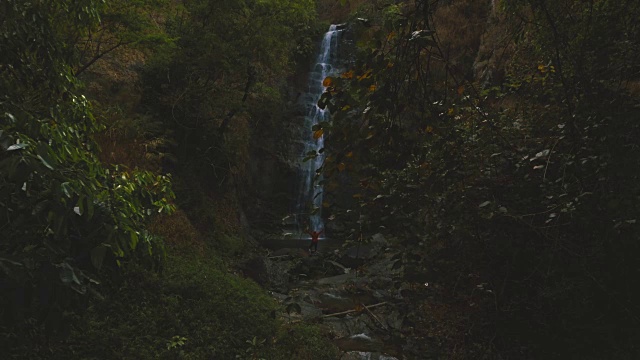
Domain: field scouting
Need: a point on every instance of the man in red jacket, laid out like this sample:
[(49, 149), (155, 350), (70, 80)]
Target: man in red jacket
[(315, 235)]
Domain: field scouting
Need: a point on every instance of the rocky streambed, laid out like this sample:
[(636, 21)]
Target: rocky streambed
[(354, 293)]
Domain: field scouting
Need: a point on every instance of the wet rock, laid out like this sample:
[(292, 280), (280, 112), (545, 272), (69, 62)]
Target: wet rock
[(355, 256), (362, 251), (395, 320), (356, 355), (378, 240), (337, 280), (291, 252), (335, 302), (281, 252), (314, 266), (309, 311), (380, 282), (267, 273), (359, 342), (343, 327), (337, 267), (362, 355), (341, 26)]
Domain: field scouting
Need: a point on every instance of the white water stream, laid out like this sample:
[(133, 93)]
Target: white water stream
[(309, 201)]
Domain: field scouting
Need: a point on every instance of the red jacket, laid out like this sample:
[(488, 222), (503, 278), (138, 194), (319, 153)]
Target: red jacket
[(315, 235)]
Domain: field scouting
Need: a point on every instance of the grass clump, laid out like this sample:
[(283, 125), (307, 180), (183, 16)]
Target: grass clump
[(302, 342), (194, 310)]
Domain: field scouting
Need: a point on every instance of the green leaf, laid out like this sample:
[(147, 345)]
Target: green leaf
[(17, 146), (43, 155), (134, 240), (68, 274), (97, 255), (12, 119), (66, 188)]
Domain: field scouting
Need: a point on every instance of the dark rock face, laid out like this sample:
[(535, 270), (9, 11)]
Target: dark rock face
[(270, 186), (273, 275), (256, 269), (361, 309), (335, 302)]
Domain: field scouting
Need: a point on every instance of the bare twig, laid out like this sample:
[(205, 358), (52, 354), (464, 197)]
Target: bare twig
[(354, 310)]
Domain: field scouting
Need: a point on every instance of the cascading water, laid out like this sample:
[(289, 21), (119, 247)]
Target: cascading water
[(309, 202)]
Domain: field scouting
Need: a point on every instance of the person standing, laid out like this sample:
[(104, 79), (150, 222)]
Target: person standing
[(315, 236)]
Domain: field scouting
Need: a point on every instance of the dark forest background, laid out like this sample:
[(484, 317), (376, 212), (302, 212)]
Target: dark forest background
[(495, 143)]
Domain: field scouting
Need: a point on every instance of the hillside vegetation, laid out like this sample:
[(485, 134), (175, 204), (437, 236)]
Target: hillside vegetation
[(107, 109), (496, 142), (493, 142)]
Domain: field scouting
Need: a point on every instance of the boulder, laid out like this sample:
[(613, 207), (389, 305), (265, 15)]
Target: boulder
[(359, 342), (281, 252), (337, 280), (333, 302), (267, 273), (337, 267), (363, 355), (356, 255), (378, 241), (256, 269)]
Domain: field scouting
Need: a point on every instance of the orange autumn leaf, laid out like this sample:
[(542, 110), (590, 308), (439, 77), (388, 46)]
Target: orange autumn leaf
[(347, 75), (328, 81), (317, 134), (367, 74)]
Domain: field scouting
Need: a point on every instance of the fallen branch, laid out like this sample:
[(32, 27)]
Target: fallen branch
[(355, 310), (374, 317)]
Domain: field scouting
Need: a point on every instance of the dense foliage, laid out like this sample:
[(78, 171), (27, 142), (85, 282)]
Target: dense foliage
[(63, 212), (229, 63), (513, 190), (494, 140), (84, 271)]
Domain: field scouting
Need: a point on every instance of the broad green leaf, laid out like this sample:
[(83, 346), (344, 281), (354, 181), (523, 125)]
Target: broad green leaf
[(17, 147), (134, 240)]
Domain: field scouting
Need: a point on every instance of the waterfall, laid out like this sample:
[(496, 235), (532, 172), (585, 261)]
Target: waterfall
[(310, 194)]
